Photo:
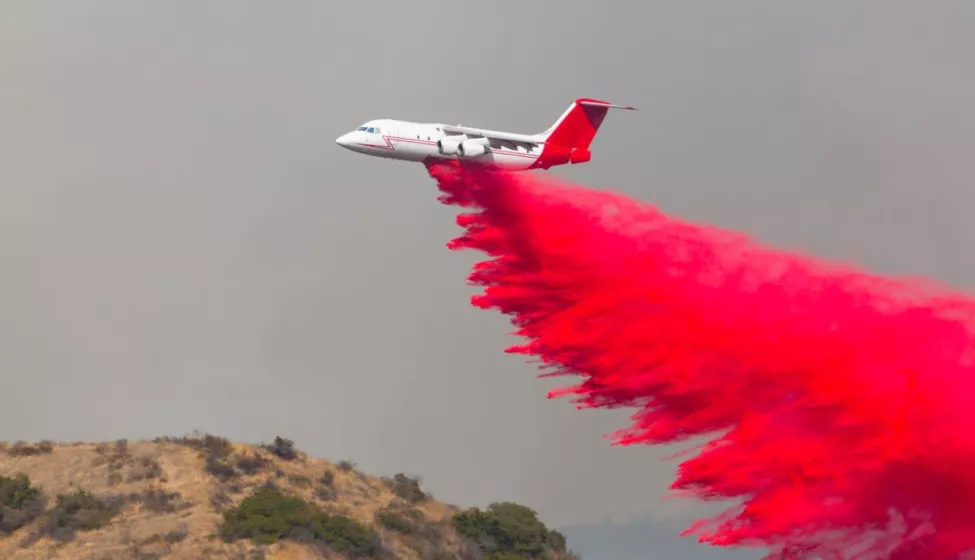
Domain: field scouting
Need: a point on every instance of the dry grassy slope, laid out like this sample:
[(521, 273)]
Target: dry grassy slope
[(188, 532)]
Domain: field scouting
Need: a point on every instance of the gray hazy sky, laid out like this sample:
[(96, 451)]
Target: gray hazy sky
[(184, 246)]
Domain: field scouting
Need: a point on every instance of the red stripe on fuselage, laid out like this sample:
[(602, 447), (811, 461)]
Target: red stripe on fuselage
[(389, 146)]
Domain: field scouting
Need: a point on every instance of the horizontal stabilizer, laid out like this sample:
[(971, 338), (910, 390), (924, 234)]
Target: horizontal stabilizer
[(609, 105)]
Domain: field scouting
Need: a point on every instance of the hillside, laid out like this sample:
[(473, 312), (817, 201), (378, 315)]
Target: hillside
[(201, 496)]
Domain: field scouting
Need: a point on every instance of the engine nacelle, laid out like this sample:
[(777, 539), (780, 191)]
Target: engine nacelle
[(447, 146), (471, 148), (580, 156)]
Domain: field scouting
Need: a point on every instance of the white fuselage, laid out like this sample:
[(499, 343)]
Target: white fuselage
[(410, 141), (565, 142)]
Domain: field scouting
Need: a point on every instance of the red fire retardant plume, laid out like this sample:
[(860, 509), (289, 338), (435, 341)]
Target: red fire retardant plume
[(839, 406)]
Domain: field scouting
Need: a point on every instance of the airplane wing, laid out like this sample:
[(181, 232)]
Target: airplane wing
[(512, 139), (522, 139)]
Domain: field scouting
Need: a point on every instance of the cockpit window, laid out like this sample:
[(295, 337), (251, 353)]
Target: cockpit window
[(362, 128), (377, 130), (372, 130)]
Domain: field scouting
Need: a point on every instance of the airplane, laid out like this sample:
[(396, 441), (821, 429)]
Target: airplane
[(566, 141)]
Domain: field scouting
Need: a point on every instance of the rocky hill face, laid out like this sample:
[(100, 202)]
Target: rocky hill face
[(201, 496)]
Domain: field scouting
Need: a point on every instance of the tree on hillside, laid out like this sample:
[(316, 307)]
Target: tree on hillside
[(507, 530)]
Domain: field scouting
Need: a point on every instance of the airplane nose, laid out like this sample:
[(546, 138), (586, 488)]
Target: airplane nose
[(345, 140)]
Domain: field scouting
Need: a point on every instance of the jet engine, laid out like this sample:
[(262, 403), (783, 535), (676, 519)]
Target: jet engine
[(447, 147), (472, 148)]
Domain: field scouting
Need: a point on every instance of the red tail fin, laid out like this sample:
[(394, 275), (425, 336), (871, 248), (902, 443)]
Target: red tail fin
[(577, 127)]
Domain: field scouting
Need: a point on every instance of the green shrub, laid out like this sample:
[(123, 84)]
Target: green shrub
[(81, 511), (283, 448), (508, 531), (406, 487), (16, 491), (20, 502), (394, 521), (556, 540), (268, 516)]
